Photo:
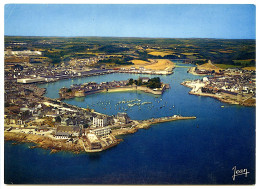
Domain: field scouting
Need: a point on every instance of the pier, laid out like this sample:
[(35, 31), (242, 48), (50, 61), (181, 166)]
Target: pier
[(145, 124), (152, 121)]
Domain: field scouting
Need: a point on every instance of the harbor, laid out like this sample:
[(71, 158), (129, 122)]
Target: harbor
[(166, 140)]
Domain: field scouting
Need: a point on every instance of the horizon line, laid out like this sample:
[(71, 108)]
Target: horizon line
[(130, 37)]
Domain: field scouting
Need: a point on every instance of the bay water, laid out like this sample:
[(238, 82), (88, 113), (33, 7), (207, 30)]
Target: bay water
[(200, 151)]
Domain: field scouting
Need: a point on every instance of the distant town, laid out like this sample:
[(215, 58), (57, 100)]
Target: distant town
[(234, 86), (53, 124)]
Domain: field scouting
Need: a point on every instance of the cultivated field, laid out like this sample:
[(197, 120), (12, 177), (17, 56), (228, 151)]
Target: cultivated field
[(160, 53), (154, 64)]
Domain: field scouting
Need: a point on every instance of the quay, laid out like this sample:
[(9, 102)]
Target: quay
[(42, 78), (77, 74)]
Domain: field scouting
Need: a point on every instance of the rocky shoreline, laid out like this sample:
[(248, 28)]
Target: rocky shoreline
[(78, 146), (44, 142)]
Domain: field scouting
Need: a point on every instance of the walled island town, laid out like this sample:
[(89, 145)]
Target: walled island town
[(145, 84)]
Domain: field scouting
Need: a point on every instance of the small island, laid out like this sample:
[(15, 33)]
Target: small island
[(145, 84)]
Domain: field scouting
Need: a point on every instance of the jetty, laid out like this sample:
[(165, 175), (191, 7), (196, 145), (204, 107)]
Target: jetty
[(145, 124), (149, 122), (94, 144)]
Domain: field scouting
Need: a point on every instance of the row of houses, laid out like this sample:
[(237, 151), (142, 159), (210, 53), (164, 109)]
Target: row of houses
[(100, 126)]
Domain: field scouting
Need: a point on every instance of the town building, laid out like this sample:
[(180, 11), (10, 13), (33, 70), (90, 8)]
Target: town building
[(122, 118), (100, 121), (71, 130), (62, 135), (101, 131), (144, 79)]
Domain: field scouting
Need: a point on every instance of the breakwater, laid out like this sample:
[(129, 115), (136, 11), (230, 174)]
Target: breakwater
[(145, 124)]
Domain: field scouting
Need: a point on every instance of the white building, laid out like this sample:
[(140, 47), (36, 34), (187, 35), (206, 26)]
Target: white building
[(31, 80), (24, 53), (100, 121), (101, 131), (144, 79), (205, 79)]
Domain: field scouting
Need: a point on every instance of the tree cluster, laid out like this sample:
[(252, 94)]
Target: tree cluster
[(152, 83), (116, 60)]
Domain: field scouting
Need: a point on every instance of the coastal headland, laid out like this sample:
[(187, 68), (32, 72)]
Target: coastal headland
[(84, 143)]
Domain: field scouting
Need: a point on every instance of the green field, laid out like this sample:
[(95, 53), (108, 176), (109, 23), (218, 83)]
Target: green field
[(229, 52)]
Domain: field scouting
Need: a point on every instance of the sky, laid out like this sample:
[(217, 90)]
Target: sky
[(237, 21)]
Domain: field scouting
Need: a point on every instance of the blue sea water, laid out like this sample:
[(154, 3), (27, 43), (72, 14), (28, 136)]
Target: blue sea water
[(200, 151)]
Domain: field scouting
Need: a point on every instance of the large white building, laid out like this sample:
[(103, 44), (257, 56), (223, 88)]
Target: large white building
[(101, 131), (31, 80), (100, 121), (24, 53)]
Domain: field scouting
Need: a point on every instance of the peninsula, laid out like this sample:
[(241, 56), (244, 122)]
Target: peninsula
[(67, 133)]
